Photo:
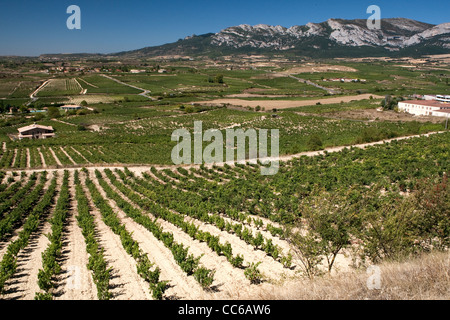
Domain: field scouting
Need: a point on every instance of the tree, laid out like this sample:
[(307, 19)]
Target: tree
[(53, 112), (432, 200), (219, 78), (390, 103), (387, 228), (23, 109), (307, 248), (38, 117), (331, 218), (315, 142)]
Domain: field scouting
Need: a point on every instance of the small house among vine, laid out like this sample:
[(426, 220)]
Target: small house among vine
[(36, 131)]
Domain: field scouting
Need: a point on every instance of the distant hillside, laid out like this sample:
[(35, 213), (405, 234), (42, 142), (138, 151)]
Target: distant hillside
[(333, 38)]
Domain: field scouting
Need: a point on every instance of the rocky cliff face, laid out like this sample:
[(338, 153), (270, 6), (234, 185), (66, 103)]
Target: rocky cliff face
[(394, 34), (332, 38)]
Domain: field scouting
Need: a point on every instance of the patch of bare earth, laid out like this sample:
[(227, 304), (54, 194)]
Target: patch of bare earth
[(28, 158), (13, 162), (312, 68), (44, 165), (285, 104)]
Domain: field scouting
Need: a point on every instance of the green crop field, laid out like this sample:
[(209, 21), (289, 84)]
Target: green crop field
[(99, 84), (60, 87), (385, 78)]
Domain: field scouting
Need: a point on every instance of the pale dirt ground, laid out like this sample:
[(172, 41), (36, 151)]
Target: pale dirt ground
[(91, 99), (318, 68), (28, 158), (125, 283), (44, 165), (252, 95), (188, 287), (13, 161), (285, 104)]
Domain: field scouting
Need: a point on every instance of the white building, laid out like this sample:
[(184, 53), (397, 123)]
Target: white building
[(70, 107), (137, 71), (425, 108), (36, 131), (441, 98)]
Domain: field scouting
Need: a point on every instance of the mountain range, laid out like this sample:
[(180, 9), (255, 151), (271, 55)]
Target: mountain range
[(332, 38)]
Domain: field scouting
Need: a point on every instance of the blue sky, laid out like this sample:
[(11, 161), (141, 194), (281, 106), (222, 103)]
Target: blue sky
[(37, 27)]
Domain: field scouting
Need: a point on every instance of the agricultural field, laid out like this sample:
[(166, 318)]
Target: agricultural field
[(384, 78), (102, 85), (215, 232), (100, 211), (60, 87), (140, 136)]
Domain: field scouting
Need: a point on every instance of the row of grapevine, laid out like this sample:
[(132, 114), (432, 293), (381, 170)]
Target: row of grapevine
[(131, 246), (17, 194), (7, 158), (206, 189), (192, 205), (35, 158), (14, 218), (188, 263), (8, 265), (97, 264), (50, 257), (9, 190), (178, 220)]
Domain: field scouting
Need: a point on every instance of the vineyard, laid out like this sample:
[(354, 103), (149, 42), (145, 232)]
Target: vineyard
[(99, 211), (60, 87), (216, 232), (121, 139)]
